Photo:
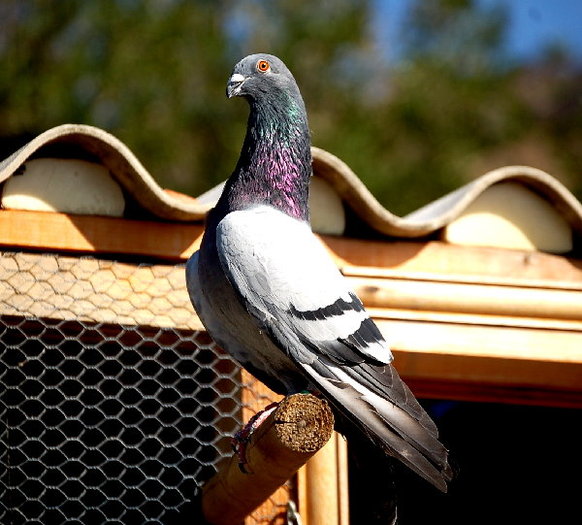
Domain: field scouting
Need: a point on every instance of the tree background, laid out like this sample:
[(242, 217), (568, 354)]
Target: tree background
[(153, 73), (452, 105)]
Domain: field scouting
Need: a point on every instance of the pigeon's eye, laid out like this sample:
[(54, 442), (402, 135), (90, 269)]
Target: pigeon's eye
[(263, 66)]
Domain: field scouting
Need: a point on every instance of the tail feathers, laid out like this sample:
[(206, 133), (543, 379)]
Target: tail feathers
[(398, 432), (430, 463), (408, 429)]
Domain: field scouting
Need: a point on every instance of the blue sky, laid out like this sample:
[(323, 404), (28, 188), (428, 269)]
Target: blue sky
[(534, 25)]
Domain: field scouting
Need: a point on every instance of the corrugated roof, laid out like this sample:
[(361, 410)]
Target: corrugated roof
[(141, 186)]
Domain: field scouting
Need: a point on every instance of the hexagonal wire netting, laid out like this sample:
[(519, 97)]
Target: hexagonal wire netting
[(113, 409)]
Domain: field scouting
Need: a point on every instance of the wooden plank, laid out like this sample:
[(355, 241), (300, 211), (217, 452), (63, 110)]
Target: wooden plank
[(474, 319), (177, 241), (476, 278), (438, 296), (499, 342), (325, 478), (458, 263), (49, 231), (488, 363), (343, 480), (321, 485)]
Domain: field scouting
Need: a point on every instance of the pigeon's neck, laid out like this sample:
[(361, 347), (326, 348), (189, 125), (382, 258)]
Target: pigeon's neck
[(275, 163)]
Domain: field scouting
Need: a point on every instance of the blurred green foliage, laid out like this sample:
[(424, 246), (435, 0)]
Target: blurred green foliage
[(153, 73)]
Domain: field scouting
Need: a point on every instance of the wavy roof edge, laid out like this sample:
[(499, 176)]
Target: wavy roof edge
[(121, 162), (125, 167)]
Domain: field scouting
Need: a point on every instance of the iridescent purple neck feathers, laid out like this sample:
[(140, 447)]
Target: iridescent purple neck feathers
[(275, 161)]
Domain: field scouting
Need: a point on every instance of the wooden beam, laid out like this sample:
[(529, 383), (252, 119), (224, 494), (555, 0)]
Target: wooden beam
[(298, 428), (506, 344), (325, 478), (411, 294), (48, 231), (496, 364), (435, 259)]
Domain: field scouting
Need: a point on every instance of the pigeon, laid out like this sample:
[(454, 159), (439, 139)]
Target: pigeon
[(268, 292)]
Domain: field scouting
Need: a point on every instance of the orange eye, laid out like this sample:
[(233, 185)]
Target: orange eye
[(263, 66)]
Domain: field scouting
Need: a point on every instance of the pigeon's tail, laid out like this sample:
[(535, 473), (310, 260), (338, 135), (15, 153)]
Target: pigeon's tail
[(377, 401)]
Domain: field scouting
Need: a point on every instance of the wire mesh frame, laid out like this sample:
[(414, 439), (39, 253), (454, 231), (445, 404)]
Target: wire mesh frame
[(105, 422)]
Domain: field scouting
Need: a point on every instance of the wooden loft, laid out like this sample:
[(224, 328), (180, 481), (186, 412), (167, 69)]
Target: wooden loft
[(467, 320), (464, 322)]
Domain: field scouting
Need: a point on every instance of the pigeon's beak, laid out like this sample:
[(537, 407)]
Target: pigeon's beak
[(235, 83)]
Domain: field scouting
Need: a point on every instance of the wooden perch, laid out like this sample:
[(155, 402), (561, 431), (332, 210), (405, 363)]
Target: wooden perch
[(294, 432)]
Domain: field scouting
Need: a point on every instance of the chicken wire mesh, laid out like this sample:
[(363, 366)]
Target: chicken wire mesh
[(114, 408)]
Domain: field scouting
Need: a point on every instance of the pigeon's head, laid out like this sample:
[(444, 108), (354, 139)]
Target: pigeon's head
[(261, 76)]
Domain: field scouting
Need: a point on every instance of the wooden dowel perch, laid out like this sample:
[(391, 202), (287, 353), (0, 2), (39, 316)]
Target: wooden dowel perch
[(292, 433)]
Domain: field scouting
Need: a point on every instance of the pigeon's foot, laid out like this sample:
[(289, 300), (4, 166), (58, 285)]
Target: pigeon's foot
[(243, 436)]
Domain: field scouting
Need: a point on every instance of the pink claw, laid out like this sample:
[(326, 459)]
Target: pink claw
[(242, 438)]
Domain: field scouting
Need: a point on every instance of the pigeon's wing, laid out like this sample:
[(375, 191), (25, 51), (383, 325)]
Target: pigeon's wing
[(285, 275), (289, 284)]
